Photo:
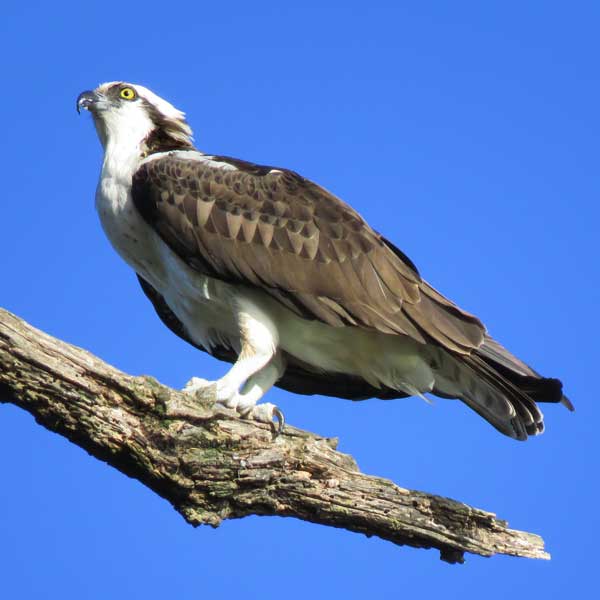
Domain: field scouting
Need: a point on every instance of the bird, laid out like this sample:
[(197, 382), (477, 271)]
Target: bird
[(263, 268)]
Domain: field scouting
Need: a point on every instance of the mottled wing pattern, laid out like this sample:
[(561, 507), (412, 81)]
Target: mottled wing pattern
[(274, 229)]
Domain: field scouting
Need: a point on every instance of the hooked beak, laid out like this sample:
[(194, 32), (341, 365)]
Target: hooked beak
[(85, 100)]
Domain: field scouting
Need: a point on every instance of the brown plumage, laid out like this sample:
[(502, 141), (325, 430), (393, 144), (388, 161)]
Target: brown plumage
[(273, 229), (262, 267)]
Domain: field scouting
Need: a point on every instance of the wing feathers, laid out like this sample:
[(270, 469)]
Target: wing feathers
[(277, 230)]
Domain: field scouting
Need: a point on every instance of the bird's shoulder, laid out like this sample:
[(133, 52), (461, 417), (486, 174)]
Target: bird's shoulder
[(234, 182), (267, 205)]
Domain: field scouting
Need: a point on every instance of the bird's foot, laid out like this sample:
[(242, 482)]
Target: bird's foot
[(248, 409), (202, 389), (219, 391), (266, 413)]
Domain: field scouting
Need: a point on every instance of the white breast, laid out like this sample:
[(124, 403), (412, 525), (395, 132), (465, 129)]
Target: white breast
[(204, 305)]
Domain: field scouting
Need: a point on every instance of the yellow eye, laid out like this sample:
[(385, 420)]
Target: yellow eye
[(127, 93)]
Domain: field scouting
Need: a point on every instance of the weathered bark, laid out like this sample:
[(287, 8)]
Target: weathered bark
[(211, 465)]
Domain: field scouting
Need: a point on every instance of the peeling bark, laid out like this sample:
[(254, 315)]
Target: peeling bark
[(211, 465)]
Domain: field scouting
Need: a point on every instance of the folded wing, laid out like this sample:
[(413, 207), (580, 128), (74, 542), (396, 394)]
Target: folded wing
[(273, 229)]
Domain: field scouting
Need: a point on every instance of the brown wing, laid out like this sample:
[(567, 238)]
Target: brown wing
[(273, 229)]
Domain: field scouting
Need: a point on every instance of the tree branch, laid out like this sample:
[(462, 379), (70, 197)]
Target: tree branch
[(211, 465)]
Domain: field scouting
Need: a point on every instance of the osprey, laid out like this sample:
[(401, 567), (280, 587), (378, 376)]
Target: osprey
[(267, 270)]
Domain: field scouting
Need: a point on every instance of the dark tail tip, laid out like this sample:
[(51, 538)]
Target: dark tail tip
[(545, 389)]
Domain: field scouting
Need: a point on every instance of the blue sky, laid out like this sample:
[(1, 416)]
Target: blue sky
[(466, 132)]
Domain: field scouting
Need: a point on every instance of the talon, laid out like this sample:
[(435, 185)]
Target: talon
[(281, 421), (264, 413)]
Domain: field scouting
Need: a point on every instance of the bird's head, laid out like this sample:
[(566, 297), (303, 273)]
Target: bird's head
[(126, 114)]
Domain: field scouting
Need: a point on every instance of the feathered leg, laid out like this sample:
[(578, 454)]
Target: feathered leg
[(258, 367)]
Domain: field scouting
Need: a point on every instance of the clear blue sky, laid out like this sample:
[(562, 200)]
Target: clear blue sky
[(467, 132)]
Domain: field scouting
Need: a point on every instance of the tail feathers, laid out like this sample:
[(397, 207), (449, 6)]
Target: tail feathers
[(540, 389), (523, 417), (499, 387)]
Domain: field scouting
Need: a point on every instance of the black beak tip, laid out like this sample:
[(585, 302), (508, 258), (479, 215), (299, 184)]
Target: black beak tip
[(85, 100)]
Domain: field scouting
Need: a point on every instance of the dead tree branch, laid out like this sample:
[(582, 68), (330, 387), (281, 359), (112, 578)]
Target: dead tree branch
[(211, 465)]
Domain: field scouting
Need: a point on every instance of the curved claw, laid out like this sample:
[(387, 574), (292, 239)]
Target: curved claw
[(264, 413), (281, 421)]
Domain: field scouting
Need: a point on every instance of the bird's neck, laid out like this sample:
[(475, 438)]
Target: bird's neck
[(121, 158), (161, 140), (122, 140), (123, 151)]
